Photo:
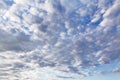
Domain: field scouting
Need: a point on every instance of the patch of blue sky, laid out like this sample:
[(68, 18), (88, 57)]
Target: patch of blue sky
[(9, 2), (109, 76), (108, 68)]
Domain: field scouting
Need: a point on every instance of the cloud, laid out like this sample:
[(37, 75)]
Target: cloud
[(75, 37)]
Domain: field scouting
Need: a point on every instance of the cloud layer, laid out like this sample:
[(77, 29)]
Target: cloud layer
[(58, 37)]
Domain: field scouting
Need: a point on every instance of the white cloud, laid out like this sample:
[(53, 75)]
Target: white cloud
[(56, 42), (111, 16)]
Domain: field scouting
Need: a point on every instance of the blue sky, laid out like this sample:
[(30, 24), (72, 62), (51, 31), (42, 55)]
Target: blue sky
[(59, 39), (109, 76)]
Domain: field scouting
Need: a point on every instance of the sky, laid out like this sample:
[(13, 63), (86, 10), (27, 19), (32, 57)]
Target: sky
[(59, 39)]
